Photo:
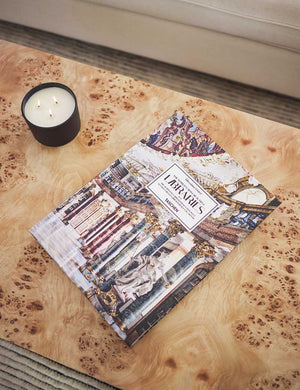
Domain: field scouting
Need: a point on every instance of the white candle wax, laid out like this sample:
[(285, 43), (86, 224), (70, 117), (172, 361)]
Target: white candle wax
[(49, 107)]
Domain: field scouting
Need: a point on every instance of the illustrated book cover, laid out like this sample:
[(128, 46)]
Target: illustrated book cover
[(144, 232)]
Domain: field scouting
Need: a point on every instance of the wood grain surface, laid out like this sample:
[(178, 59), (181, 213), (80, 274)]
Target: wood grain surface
[(238, 329)]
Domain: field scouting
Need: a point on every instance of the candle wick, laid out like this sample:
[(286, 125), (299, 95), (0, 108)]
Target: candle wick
[(50, 113), (55, 100), (39, 104)]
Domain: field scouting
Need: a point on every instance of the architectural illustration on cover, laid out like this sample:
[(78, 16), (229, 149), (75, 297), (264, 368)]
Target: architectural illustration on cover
[(145, 231)]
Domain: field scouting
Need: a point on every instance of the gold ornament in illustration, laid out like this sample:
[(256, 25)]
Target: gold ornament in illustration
[(109, 298), (175, 227), (152, 223), (203, 248)]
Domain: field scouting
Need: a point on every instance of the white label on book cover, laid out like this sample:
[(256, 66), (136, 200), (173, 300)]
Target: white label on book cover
[(182, 196)]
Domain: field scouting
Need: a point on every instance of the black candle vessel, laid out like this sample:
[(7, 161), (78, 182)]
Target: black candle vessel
[(51, 112)]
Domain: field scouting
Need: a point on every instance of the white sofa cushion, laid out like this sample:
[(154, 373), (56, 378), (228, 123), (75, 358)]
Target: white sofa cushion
[(202, 49), (274, 22)]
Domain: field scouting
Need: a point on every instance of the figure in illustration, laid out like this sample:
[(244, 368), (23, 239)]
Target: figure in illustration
[(140, 280)]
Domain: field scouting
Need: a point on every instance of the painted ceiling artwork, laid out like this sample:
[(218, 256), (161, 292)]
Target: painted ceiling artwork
[(144, 232)]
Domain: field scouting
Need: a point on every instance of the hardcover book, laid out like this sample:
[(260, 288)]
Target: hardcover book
[(144, 232)]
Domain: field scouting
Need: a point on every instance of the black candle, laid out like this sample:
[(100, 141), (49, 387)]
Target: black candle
[(51, 112)]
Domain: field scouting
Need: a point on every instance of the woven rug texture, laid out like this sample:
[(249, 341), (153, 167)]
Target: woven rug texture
[(21, 369)]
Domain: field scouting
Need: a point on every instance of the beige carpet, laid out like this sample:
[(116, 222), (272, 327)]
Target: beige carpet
[(21, 369)]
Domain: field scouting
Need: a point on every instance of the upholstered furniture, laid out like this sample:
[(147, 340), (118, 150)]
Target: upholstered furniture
[(256, 43)]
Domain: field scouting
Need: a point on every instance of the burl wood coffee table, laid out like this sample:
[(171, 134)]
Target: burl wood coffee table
[(238, 329)]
